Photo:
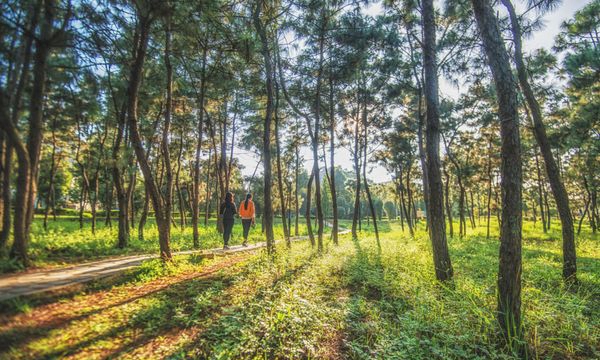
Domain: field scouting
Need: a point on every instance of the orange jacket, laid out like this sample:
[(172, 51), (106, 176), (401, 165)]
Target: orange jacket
[(246, 213)]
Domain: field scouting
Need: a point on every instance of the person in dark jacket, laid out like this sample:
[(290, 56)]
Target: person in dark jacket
[(228, 212)]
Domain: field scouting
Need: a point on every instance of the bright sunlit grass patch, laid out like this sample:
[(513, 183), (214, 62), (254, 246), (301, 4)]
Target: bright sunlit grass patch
[(354, 301)]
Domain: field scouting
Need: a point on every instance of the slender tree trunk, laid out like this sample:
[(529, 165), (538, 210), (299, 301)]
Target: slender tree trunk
[(28, 169), (196, 193), (552, 170), (367, 191), (405, 208), (547, 205), (182, 217), (286, 232), (332, 127), (162, 209), (472, 210), (447, 200), (6, 194), (585, 211), (82, 200), (592, 200), (53, 165), (315, 136), (297, 202), (144, 216), (357, 167), (435, 215), (309, 228), (208, 198), (509, 275), (267, 194), (540, 193), (122, 202), (108, 189), (130, 200), (489, 189)]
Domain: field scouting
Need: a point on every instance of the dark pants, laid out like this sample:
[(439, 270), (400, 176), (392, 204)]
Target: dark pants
[(227, 227), (246, 223)]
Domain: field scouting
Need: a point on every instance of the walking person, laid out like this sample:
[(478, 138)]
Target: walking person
[(247, 215), (228, 212)]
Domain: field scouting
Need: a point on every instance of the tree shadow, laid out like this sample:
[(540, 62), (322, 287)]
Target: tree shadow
[(224, 332), (178, 295)]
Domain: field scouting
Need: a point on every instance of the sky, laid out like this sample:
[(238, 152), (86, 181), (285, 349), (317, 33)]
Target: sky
[(541, 39)]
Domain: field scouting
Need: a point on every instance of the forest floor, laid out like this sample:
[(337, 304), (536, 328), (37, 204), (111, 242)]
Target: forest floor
[(358, 300)]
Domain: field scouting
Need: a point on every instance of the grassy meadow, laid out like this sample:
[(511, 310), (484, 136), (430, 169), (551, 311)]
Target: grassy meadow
[(358, 300), (65, 243)]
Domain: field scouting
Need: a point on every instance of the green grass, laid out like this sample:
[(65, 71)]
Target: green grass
[(65, 243), (354, 301)]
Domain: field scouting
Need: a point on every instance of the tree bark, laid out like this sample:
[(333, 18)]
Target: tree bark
[(162, 210), (196, 193), (356, 152), (509, 274), (552, 171), (286, 232), (367, 190), (435, 215), (332, 127), (267, 194), (447, 201), (309, 228)]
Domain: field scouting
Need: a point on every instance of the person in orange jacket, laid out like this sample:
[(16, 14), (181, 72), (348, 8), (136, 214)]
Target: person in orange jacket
[(246, 211)]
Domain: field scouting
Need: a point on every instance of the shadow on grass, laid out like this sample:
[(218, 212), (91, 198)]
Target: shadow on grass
[(139, 320), (224, 336), (178, 294)]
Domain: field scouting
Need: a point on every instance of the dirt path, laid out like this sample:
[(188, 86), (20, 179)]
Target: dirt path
[(16, 285)]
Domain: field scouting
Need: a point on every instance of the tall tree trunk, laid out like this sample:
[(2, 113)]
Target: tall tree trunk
[(592, 197), (547, 205), (540, 192), (53, 165), (509, 274), (585, 211), (17, 98), (333, 190), (405, 207), (130, 199), (552, 171), (82, 200), (315, 136), (208, 197), (122, 202), (6, 194), (356, 157), (367, 190), (296, 173), (267, 194), (309, 228), (28, 156), (162, 209), (435, 215), (108, 190), (196, 193), (182, 217), (447, 201), (144, 216), (489, 189), (286, 233), (472, 210)]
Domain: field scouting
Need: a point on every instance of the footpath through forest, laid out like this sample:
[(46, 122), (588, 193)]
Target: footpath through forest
[(15, 285)]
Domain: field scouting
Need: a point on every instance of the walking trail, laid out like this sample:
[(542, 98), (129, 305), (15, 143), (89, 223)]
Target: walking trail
[(15, 285)]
